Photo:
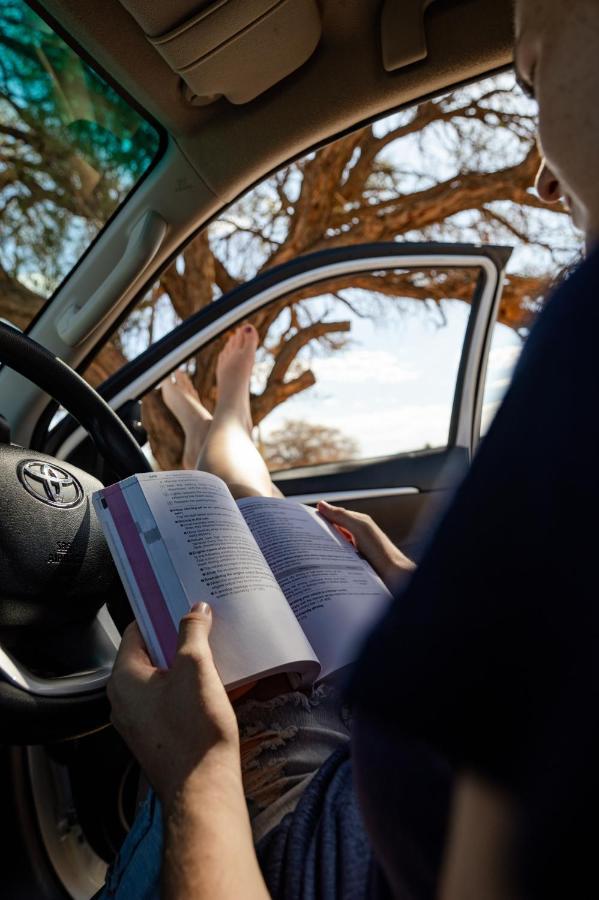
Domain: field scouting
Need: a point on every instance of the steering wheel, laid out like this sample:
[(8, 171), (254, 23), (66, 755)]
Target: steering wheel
[(57, 638)]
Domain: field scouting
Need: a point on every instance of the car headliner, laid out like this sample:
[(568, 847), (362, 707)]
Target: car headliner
[(341, 84)]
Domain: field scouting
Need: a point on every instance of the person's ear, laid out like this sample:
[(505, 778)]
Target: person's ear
[(547, 185)]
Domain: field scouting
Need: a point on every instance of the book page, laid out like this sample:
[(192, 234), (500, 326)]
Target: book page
[(335, 595), (217, 559)]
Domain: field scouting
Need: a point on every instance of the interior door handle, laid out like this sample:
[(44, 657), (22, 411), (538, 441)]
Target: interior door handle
[(84, 315), (402, 33)]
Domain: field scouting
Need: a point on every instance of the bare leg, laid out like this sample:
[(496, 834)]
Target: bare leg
[(229, 450), (223, 444), (183, 401)]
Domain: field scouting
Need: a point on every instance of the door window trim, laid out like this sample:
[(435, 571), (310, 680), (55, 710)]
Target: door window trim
[(351, 496), (315, 268)]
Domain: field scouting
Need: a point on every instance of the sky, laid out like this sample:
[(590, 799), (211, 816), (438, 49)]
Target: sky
[(392, 389)]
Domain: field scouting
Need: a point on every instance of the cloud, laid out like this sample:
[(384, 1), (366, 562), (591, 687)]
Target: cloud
[(382, 432), (360, 366), (504, 357), (496, 389), (489, 412)]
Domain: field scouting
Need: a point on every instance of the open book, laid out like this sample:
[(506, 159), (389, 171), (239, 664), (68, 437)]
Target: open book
[(288, 592)]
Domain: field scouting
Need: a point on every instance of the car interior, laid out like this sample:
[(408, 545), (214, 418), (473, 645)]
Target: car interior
[(231, 90)]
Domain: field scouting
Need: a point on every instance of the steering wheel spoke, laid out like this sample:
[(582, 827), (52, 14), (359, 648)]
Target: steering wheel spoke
[(57, 643), (104, 640)]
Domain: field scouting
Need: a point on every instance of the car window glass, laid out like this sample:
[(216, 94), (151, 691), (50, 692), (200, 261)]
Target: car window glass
[(510, 333), (506, 347), (458, 168), (355, 367), (71, 149)]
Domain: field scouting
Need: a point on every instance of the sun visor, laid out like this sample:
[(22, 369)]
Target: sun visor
[(403, 36), (231, 48)]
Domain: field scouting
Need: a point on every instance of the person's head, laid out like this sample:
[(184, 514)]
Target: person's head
[(557, 57)]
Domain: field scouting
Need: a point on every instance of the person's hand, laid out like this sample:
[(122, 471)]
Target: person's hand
[(178, 720), (386, 559)]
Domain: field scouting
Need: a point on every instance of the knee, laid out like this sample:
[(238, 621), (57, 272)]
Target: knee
[(240, 490)]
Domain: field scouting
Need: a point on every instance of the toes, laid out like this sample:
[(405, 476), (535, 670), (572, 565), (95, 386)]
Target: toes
[(226, 351), (240, 340), (249, 336), (179, 381), (168, 385), (185, 383), (231, 343)]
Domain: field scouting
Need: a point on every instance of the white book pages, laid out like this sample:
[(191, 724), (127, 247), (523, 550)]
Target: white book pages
[(334, 593)]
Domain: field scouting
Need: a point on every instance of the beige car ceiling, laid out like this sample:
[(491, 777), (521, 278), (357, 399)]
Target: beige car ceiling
[(342, 81)]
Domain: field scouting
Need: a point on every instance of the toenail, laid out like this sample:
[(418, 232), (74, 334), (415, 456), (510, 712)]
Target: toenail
[(248, 328)]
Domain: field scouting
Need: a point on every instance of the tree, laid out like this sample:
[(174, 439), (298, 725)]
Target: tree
[(298, 443), (458, 168), (70, 150), (384, 182)]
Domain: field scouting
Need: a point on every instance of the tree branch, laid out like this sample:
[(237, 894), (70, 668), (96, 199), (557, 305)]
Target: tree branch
[(270, 398), (300, 339)]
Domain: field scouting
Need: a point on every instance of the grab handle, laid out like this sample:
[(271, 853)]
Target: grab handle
[(84, 315)]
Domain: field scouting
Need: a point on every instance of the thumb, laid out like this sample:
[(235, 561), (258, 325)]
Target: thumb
[(368, 538), (336, 514), (329, 511), (194, 628)]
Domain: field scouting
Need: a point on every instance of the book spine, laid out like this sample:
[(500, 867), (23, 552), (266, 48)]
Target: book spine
[(145, 594)]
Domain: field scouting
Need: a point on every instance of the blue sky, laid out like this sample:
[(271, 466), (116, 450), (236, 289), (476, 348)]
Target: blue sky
[(392, 388)]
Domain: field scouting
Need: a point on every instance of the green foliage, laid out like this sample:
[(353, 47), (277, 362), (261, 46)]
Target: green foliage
[(70, 150)]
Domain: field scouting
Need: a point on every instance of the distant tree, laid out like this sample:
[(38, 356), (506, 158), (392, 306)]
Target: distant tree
[(298, 443)]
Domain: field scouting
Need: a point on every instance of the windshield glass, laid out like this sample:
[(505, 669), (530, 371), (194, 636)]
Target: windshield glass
[(70, 151)]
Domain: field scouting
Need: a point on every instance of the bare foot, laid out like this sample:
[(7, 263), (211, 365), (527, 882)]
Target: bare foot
[(183, 401), (233, 373)]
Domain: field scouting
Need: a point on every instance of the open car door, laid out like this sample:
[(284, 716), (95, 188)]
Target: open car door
[(396, 378)]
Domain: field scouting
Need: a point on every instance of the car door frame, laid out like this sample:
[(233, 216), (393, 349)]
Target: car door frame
[(395, 476)]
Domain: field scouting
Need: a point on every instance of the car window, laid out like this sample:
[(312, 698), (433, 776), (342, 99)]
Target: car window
[(71, 149), (354, 367), (506, 347), (456, 168), (509, 334)]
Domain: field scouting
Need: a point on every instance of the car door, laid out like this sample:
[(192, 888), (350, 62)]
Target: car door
[(412, 435)]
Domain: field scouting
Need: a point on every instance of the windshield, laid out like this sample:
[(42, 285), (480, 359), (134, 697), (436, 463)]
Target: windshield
[(71, 149)]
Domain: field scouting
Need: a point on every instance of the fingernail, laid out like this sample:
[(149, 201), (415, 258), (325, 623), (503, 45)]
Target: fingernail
[(202, 608), (247, 328)]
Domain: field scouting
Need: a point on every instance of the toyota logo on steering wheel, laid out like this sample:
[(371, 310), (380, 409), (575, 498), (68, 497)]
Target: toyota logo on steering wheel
[(50, 484)]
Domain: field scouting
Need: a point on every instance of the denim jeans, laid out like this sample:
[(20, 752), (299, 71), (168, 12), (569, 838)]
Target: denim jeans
[(284, 741)]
